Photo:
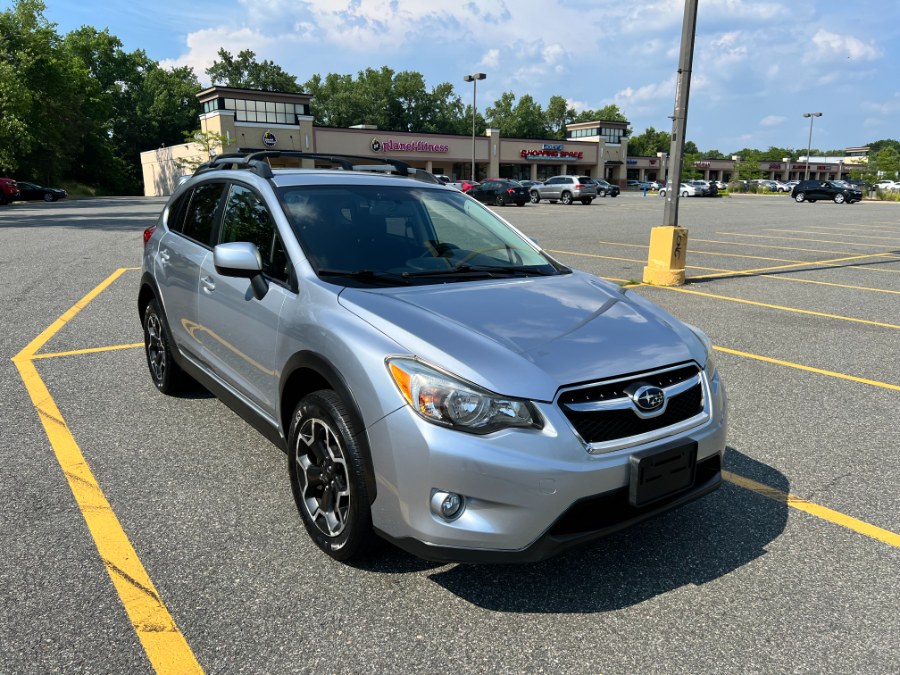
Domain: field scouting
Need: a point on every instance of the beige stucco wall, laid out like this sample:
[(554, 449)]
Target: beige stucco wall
[(161, 170)]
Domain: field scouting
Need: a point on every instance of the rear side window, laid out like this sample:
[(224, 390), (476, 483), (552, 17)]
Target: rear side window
[(200, 215)]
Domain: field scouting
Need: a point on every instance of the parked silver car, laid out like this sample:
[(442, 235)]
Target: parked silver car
[(565, 189), (433, 376)]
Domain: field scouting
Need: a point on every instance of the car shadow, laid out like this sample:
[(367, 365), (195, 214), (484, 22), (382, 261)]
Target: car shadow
[(697, 543)]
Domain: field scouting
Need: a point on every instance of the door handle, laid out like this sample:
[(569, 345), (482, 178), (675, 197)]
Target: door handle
[(208, 284)]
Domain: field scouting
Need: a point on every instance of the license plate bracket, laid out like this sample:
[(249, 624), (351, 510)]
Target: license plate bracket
[(660, 472)]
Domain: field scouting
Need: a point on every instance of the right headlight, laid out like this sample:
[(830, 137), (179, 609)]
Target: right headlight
[(449, 401)]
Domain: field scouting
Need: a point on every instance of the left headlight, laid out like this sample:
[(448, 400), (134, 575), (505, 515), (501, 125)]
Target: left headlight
[(449, 401)]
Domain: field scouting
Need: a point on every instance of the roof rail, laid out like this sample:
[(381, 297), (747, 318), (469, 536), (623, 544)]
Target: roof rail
[(258, 162)]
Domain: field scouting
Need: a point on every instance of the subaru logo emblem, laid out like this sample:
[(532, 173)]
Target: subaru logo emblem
[(649, 398)]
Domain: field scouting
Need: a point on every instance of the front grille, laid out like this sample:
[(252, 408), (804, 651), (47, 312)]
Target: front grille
[(603, 426)]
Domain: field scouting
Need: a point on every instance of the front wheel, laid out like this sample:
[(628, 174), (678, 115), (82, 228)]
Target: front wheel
[(684, 194), (49, 197), (534, 197), (800, 197), (662, 193), (328, 476), (602, 193), (839, 198), (566, 198)]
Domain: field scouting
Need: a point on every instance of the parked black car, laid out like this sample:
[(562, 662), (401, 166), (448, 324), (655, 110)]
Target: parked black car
[(605, 188), (500, 192), (30, 191), (836, 190)]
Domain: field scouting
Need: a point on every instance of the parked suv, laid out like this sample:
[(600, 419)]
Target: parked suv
[(565, 189), (836, 190), (606, 188), (9, 190), (433, 375)]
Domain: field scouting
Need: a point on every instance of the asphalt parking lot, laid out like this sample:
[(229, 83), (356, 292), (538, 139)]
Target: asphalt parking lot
[(793, 566)]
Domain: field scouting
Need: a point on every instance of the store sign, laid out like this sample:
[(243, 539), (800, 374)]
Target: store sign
[(391, 145), (549, 151), (775, 165), (269, 139), (703, 164), (631, 161)]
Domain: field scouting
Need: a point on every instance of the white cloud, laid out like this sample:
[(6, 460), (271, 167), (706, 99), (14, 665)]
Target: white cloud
[(649, 92), (772, 120), (491, 59), (203, 47), (834, 46)]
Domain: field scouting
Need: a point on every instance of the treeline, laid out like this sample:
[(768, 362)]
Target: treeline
[(78, 108)]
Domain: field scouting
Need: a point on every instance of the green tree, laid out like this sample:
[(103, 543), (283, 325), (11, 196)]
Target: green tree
[(650, 142), (556, 116), (609, 113), (210, 143), (887, 162), (247, 73)]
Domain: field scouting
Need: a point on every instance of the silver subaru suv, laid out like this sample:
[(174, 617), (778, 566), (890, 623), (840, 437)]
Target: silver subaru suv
[(434, 377)]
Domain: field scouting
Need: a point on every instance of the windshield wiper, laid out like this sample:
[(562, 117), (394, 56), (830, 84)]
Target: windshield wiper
[(366, 275), (481, 270)]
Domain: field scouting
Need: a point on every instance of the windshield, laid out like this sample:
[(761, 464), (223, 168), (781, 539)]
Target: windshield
[(371, 234)]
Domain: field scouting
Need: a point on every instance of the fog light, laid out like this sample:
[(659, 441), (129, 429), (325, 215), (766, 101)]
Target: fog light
[(447, 505)]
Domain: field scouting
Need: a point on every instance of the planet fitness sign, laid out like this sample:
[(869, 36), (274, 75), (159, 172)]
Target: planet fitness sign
[(391, 145)]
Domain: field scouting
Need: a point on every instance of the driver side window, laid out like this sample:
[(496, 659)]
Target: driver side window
[(247, 219)]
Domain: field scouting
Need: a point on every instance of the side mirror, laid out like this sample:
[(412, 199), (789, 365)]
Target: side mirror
[(241, 259)]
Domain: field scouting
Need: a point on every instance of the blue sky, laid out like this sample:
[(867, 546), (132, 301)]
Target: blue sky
[(758, 65)]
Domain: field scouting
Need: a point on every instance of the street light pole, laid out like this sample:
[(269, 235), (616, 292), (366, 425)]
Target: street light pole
[(473, 78), (809, 144)]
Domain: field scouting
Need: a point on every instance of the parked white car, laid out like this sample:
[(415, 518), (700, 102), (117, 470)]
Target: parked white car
[(888, 185), (685, 190)]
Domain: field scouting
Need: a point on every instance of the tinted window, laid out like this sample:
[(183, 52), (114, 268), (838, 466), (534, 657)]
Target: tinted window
[(201, 212), (247, 219)]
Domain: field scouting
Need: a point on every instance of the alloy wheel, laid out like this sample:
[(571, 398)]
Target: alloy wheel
[(322, 477)]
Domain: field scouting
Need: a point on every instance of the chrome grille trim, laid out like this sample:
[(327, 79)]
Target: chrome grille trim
[(694, 422)]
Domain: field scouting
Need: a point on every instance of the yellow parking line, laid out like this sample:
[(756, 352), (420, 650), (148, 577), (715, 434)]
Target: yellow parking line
[(781, 308), (91, 350), (821, 241), (781, 248), (860, 226), (821, 283), (691, 250), (165, 646), (830, 515), (861, 236), (609, 257), (784, 267), (809, 369)]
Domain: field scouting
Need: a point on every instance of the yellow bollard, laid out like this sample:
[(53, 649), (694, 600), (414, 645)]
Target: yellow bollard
[(666, 257)]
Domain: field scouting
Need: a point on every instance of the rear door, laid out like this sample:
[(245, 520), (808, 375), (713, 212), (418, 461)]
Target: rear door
[(182, 250), (552, 188)]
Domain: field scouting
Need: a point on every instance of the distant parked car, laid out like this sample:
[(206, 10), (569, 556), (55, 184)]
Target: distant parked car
[(720, 184), (887, 185), (633, 185), (685, 190), (813, 190), (530, 183), (9, 190), (32, 191), (704, 188), (500, 192), (606, 188), (565, 189), (464, 185)]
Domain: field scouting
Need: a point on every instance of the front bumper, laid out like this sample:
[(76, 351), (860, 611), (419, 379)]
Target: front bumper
[(528, 494)]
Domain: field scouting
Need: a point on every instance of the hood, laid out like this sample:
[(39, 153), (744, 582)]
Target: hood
[(527, 337)]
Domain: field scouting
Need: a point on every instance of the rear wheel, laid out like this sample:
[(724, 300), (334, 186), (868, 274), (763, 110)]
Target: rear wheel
[(534, 197), (800, 197), (602, 193), (328, 476), (500, 200), (587, 201), (810, 201), (839, 198), (566, 198), (166, 374), (684, 193)]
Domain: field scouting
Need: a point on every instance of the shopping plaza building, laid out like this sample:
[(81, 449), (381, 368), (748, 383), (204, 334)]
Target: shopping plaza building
[(251, 120)]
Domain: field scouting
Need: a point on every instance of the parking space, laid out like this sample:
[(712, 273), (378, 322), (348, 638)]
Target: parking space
[(792, 565)]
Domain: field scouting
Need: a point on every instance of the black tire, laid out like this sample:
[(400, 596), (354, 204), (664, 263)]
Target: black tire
[(684, 193), (587, 201), (602, 193), (810, 201), (49, 197), (800, 197), (662, 193), (534, 197), (614, 195), (500, 200), (328, 476), (520, 203), (166, 374), (566, 198), (839, 198)]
